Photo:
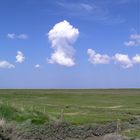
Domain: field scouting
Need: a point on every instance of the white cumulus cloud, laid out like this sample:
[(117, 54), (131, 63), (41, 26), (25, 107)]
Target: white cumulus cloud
[(134, 40), (20, 57), (62, 37), (14, 36), (123, 60), (136, 59), (6, 64), (96, 58)]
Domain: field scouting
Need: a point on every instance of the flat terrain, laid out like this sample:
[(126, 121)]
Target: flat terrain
[(77, 106)]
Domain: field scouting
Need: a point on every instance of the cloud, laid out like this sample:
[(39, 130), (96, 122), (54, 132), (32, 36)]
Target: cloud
[(96, 58), (79, 7), (22, 36), (91, 11), (86, 7), (62, 36), (134, 40), (14, 36), (136, 59), (125, 1), (11, 35), (6, 64), (135, 36), (130, 43), (123, 60), (20, 57), (37, 66)]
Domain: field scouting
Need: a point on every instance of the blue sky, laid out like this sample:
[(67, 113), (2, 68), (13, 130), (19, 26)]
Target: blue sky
[(69, 44)]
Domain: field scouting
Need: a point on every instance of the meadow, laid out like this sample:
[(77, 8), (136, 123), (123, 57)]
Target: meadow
[(76, 106)]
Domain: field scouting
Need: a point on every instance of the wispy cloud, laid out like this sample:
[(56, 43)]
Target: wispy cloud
[(37, 66), (14, 36), (126, 1), (87, 7), (134, 40), (89, 11), (22, 36), (6, 64), (77, 7), (11, 35)]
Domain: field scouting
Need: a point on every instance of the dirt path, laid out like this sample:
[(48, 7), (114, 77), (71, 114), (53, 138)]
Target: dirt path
[(92, 138)]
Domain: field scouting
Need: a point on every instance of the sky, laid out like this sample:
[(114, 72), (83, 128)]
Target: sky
[(69, 43)]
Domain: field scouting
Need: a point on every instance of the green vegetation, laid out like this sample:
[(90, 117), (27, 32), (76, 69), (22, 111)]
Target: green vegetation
[(79, 106), (133, 133)]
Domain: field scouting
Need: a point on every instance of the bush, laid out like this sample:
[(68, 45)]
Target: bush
[(8, 131)]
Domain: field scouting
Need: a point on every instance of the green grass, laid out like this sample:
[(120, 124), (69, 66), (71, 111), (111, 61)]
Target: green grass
[(79, 106), (135, 133)]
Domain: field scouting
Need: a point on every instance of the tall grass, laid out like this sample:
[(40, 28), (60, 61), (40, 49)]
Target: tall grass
[(10, 113)]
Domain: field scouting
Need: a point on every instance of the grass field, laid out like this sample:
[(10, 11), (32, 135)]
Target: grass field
[(75, 106)]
